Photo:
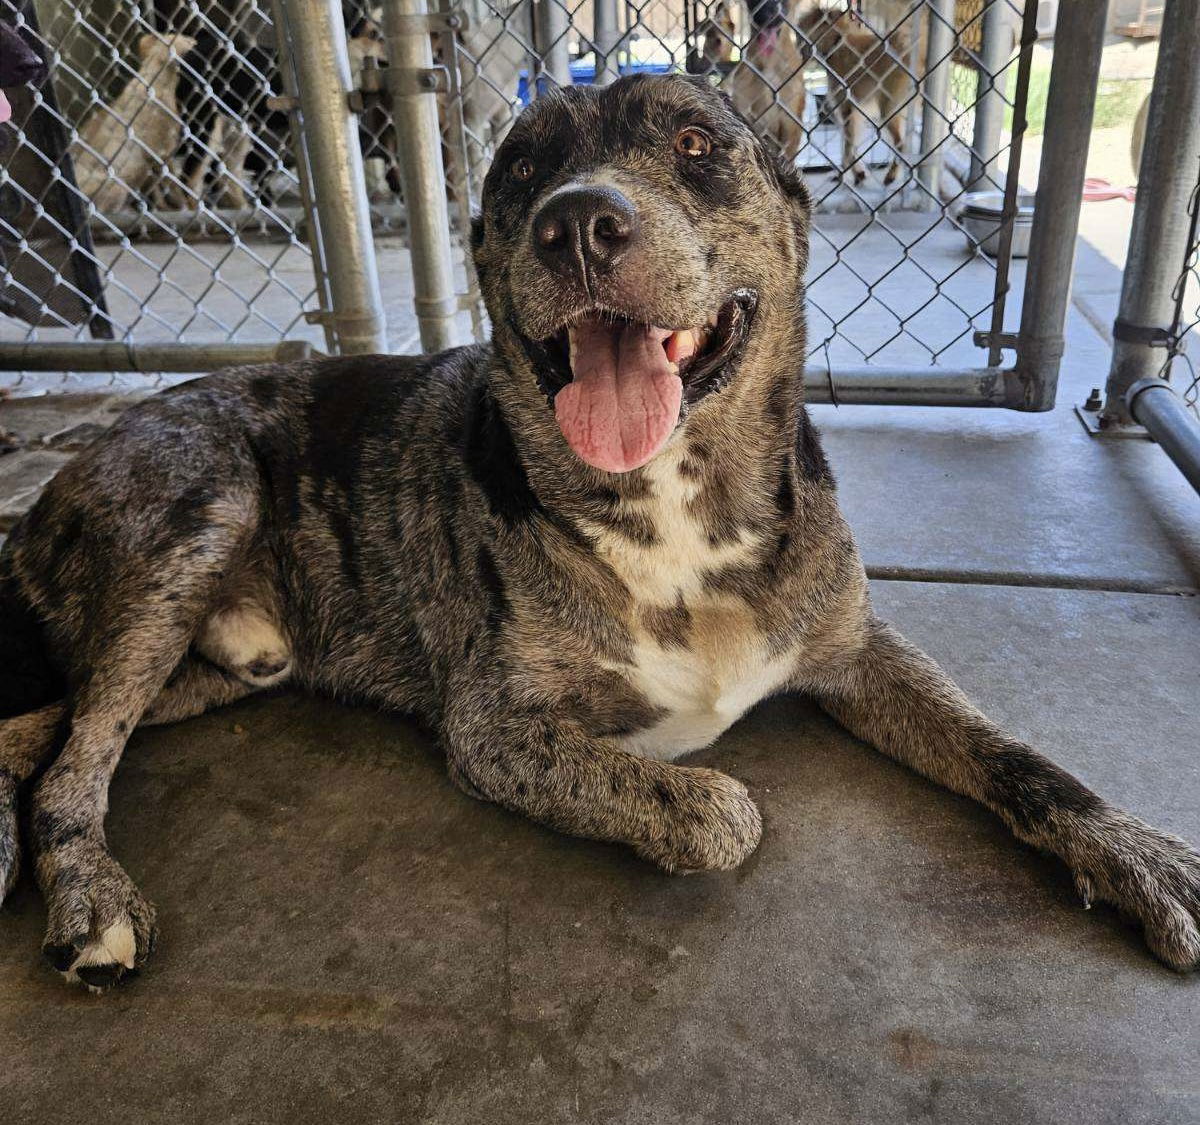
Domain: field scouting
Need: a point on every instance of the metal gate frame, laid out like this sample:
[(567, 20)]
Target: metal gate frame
[(1030, 384), (1162, 251), (319, 96)]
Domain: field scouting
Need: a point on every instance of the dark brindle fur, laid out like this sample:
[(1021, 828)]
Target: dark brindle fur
[(416, 534)]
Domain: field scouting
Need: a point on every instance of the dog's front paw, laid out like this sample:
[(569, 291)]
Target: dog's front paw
[(706, 822), (1154, 878), (100, 927)]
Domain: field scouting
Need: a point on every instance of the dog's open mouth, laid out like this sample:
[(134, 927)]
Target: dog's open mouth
[(618, 386)]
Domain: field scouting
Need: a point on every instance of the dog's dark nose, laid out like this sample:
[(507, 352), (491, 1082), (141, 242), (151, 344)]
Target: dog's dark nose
[(584, 229)]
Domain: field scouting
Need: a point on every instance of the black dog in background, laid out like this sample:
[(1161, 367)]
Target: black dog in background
[(19, 64), (232, 78)]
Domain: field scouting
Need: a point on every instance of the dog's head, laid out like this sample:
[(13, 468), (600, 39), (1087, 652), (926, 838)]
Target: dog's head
[(718, 34), (639, 250), (157, 51)]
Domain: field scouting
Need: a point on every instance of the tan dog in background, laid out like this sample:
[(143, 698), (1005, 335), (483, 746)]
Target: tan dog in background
[(871, 83), (123, 147), (767, 83)]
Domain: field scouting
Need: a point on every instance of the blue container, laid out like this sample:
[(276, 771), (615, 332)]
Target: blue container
[(584, 74)]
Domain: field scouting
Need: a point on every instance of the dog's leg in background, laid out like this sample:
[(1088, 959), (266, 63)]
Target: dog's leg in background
[(894, 118), (852, 123), (893, 696), (680, 817), (231, 164)]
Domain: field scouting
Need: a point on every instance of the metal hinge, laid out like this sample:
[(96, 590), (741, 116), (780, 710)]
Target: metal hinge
[(995, 339), (418, 80), (1150, 335), (283, 103), (431, 23)]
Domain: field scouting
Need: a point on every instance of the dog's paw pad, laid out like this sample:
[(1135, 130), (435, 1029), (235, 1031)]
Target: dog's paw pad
[(101, 963), (267, 668), (100, 978), (61, 957)]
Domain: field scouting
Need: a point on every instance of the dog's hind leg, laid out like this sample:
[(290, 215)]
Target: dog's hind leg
[(895, 129), (25, 742), (195, 686), (852, 128), (891, 695), (99, 925)]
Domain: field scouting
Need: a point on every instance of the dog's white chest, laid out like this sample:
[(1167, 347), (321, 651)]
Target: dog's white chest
[(698, 655), (702, 690)]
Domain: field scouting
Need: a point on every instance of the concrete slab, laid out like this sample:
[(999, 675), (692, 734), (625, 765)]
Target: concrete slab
[(23, 475), (983, 491), (348, 939)]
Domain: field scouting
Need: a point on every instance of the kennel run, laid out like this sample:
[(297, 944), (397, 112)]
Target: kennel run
[(194, 186)]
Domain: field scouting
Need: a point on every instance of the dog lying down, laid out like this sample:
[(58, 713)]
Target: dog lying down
[(578, 552)]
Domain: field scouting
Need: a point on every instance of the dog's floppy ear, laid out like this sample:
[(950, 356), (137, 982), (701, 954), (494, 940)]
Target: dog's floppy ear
[(792, 184), (778, 171)]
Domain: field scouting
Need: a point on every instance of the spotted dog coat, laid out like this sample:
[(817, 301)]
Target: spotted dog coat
[(428, 535)]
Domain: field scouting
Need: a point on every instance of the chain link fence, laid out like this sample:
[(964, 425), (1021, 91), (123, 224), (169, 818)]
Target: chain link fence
[(900, 113), (160, 188), (1185, 326), (152, 190)]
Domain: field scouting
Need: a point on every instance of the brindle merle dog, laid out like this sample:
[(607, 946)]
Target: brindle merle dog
[(578, 552)]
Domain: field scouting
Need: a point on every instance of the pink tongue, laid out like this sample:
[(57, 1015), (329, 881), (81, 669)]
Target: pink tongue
[(5, 108), (624, 400)]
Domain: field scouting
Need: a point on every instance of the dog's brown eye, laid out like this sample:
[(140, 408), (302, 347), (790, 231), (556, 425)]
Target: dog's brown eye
[(692, 142), (521, 169)]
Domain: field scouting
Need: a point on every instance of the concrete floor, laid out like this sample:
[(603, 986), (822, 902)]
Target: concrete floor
[(346, 938)]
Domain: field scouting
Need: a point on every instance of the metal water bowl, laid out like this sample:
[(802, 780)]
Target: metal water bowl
[(980, 219)]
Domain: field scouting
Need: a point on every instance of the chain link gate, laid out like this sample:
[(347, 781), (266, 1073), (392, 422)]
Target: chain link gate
[(907, 118), (157, 189), (1160, 290)]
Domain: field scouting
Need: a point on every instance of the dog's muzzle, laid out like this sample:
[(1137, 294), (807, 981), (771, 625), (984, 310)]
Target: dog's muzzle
[(619, 386)]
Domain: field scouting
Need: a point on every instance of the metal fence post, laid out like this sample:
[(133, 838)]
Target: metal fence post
[(413, 82), (995, 49), (318, 39), (1074, 76), (606, 36), (935, 100), (1158, 239), (552, 24)]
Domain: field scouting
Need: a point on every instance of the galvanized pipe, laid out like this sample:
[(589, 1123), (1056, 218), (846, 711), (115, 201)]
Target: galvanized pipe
[(935, 100), (412, 82), (606, 36), (552, 24), (1074, 75), (1158, 239), (287, 74), (318, 40), (916, 386), (995, 49), (118, 356), (1154, 404)]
